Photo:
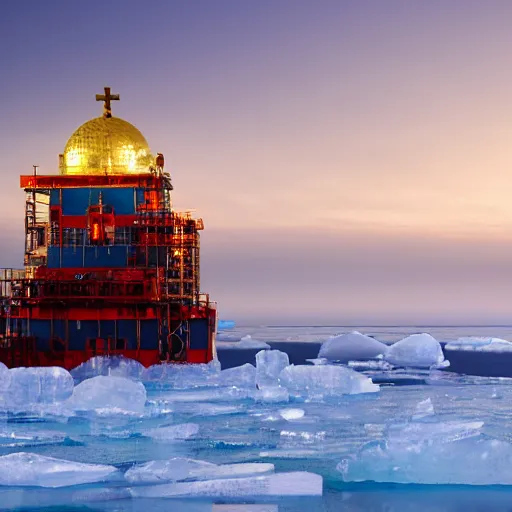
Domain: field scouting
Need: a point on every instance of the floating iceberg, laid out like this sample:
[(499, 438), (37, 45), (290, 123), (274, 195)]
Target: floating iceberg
[(418, 351), (325, 380), (38, 385), (444, 453), (30, 469), (279, 484), (476, 344), (114, 366), (109, 393), (352, 346), (269, 364)]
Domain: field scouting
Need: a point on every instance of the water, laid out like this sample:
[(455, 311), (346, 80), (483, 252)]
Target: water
[(301, 435)]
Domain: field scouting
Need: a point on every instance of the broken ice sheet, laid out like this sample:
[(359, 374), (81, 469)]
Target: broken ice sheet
[(30, 469), (279, 484), (179, 469)]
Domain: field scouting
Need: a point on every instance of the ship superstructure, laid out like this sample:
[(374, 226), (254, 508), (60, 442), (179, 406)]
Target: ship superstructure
[(110, 267)]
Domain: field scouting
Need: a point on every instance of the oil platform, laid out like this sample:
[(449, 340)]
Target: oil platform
[(110, 267)]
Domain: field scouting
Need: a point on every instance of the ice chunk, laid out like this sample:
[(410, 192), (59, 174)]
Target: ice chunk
[(423, 409), (476, 344), (417, 350), (225, 394), (38, 385), (240, 470), (291, 414), (352, 346), (280, 484), (30, 469), (174, 432), (116, 393), (269, 364), (114, 366), (171, 470), (271, 394), (182, 376), (325, 381), (473, 460), (240, 376)]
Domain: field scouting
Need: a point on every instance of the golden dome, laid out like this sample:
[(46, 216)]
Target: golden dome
[(106, 145)]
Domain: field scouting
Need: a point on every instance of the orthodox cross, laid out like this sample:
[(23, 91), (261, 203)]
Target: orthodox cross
[(107, 97)]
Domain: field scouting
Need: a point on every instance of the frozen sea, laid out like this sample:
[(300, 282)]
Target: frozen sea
[(444, 445)]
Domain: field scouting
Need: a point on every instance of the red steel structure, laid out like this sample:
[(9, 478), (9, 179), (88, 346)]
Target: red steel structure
[(110, 267)]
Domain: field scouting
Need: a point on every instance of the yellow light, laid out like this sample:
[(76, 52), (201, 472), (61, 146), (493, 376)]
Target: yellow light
[(177, 252), (95, 231)]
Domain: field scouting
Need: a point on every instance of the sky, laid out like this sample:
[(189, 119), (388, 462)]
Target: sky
[(352, 161)]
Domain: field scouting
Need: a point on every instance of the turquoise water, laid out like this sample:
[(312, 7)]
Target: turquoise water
[(236, 429)]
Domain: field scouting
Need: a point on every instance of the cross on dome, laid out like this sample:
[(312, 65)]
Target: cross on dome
[(107, 98)]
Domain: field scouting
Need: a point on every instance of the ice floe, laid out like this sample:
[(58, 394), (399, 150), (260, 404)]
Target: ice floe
[(31, 469), (352, 346), (418, 351), (247, 342), (320, 381), (179, 469), (114, 366), (478, 344), (269, 364), (37, 385), (443, 453), (279, 484), (108, 393)]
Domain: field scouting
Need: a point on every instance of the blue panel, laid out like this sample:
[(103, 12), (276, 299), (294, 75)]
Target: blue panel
[(41, 330), (139, 196), (149, 334), (72, 257), (199, 334), (53, 257), (127, 329), (121, 199), (113, 256), (55, 197), (75, 201), (107, 328), (80, 331)]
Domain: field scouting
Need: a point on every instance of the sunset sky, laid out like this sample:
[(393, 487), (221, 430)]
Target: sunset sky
[(352, 161)]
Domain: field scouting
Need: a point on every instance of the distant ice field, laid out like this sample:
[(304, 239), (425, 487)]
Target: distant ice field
[(274, 438)]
